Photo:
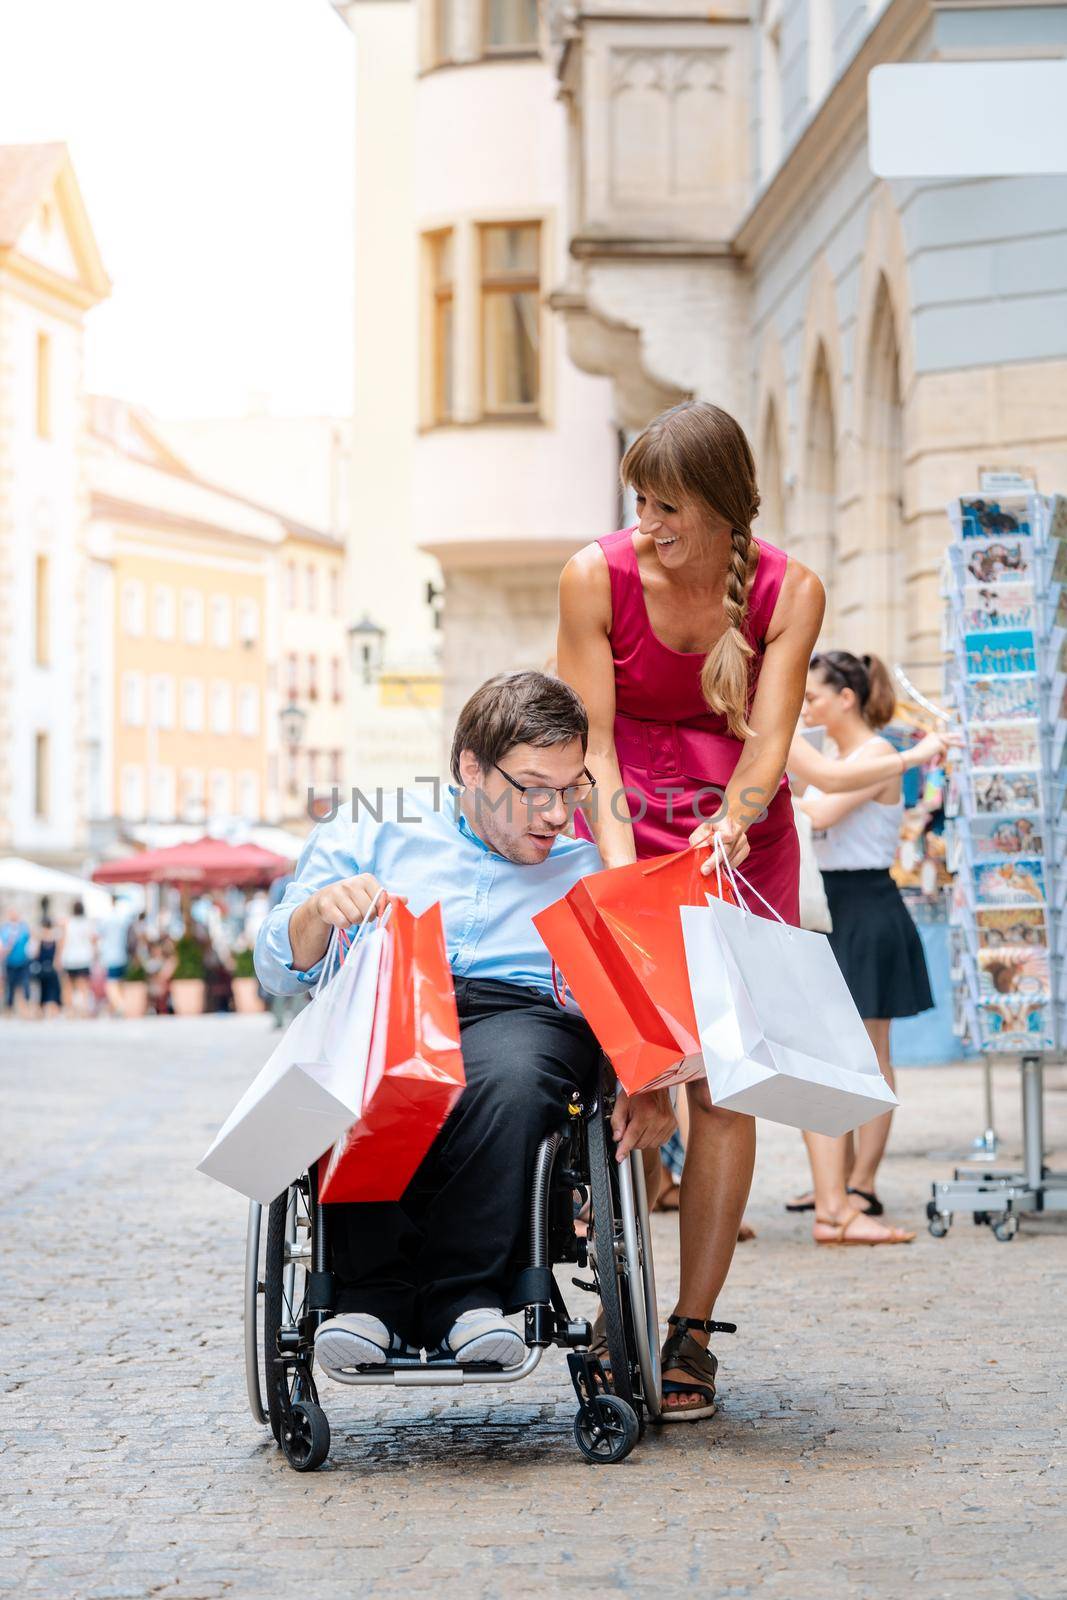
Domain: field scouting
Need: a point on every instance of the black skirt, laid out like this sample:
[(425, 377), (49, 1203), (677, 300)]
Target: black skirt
[(877, 945)]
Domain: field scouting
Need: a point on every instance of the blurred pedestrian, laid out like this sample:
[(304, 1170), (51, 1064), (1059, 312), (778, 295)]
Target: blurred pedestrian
[(115, 950), (46, 962), (15, 954), (76, 959), (874, 939)]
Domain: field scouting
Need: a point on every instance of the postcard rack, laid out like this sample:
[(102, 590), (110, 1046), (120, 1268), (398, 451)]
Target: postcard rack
[(1005, 590)]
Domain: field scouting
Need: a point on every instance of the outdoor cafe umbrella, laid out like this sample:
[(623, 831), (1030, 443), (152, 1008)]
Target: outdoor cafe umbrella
[(198, 865)]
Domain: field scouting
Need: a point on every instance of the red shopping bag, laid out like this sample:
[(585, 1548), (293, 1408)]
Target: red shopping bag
[(616, 938), (414, 1070)]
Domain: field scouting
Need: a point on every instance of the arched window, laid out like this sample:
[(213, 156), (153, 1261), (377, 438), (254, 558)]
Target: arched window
[(889, 557), (772, 498), (820, 485)]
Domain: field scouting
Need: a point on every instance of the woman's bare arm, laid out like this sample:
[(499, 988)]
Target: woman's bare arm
[(584, 660), (808, 765)]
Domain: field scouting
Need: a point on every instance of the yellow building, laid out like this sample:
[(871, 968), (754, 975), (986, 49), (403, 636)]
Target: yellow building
[(209, 612)]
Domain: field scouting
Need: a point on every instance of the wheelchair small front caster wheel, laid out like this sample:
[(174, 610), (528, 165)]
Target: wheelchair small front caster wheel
[(305, 1436), (614, 1432), (1006, 1228)]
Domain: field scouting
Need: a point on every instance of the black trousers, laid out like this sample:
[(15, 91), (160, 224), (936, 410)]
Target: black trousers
[(453, 1241)]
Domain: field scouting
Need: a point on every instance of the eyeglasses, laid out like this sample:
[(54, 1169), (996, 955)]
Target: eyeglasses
[(542, 799)]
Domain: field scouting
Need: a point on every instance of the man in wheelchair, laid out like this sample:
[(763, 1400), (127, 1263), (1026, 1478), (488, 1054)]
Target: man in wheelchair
[(431, 1272)]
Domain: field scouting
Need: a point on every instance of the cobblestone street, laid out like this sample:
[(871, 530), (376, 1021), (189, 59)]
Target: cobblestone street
[(892, 1421)]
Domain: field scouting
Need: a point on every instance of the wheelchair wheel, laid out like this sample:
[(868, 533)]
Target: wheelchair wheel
[(253, 1289), (287, 1260), (609, 1255), (612, 1435), (306, 1437)]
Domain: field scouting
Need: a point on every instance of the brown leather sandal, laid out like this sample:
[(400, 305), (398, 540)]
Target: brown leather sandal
[(896, 1235), (681, 1353)]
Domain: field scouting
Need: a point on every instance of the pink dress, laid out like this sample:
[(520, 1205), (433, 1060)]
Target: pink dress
[(675, 755)]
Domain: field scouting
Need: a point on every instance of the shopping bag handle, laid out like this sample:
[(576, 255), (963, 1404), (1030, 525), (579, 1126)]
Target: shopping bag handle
[(559, 987), (736, 878), (342, 942)]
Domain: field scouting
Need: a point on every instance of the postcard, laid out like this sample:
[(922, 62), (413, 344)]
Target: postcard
[(1002, 699), (994, 653), (1006, 971), (1056, 517), (1000, 926), (1000, 793), (1007, 836), (1014, 881), (1003, 745), (1059, 566), (1015, 1023), (1008, 514), (1002, 561), (1009, 605)]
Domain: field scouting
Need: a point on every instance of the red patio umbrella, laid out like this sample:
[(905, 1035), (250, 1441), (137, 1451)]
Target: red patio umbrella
[(198, 865)]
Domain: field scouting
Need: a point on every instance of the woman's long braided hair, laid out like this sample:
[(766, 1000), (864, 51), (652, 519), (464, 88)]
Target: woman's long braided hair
[(696, 452)]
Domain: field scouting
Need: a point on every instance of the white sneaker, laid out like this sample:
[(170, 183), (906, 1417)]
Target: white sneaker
[(483, 1335), (356, 1339)]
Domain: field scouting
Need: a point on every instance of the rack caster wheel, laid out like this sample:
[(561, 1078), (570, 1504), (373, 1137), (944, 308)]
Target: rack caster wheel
[(981, 1219), (614, 1433), (305, 1436), (1006, 1228)]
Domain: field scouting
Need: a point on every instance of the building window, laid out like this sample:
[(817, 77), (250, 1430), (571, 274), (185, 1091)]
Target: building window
[(248, 796), (131, 793), (163, 611), (133, 699), (221, 621), (192, 616), (290, 584), (193, 705), (133, 607), (770, 88), (221, 788), (163, 794), (44, 386), (443, 339), (42, 653), (163, 700), (312, 767), (221, 708), (248, 710), (335, 766), (42, 777), (248, 621), (510, 25), (192, 794), (292, 677), (311, 587), (337, 680), (313, 678), (510, 320), (335, 591)]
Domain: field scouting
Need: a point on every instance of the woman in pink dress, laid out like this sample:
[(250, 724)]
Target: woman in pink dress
[(689, 641)]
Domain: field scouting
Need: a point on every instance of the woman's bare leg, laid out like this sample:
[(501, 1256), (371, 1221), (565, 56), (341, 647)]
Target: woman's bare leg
[(873, 1137), (833, 1206)]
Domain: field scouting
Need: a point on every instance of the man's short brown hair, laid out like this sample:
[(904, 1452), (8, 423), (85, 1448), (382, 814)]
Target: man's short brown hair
[(518, 708)]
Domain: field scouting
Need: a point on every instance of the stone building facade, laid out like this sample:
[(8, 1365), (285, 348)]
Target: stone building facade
[(882, 342)]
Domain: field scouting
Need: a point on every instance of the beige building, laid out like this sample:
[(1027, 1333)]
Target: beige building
[(210, 613), (51, 276), (883, 342), (483, 456)]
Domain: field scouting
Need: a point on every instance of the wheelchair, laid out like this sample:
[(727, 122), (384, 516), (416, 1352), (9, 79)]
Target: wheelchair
[(289, 1291)]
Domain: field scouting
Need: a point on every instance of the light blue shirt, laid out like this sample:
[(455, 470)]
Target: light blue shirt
[(428, 855)]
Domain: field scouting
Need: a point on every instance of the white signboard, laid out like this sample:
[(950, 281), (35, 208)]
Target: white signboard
[(948, 119)]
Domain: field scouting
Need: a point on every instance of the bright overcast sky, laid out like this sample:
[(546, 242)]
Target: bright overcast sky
[(213, 143)]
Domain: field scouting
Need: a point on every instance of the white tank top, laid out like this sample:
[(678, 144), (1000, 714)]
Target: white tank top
[(867, 837)]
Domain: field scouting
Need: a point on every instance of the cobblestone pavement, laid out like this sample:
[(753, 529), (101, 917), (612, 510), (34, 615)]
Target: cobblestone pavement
[(892, 1421)]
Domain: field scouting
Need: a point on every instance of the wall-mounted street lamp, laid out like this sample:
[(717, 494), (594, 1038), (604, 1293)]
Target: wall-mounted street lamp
[(366, 641)]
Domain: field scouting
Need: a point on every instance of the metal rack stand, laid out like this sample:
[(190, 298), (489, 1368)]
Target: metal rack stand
[(997, 1197)]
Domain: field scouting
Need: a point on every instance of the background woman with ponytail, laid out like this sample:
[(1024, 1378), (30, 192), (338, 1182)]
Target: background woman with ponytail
[(874, 939), (689, 640)]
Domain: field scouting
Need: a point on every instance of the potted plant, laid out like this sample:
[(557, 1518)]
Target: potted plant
[(133, 990), (187, 983), (246, 996)]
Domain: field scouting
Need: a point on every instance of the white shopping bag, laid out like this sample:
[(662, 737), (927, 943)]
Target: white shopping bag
[(311, 1090), (780, 1032)]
